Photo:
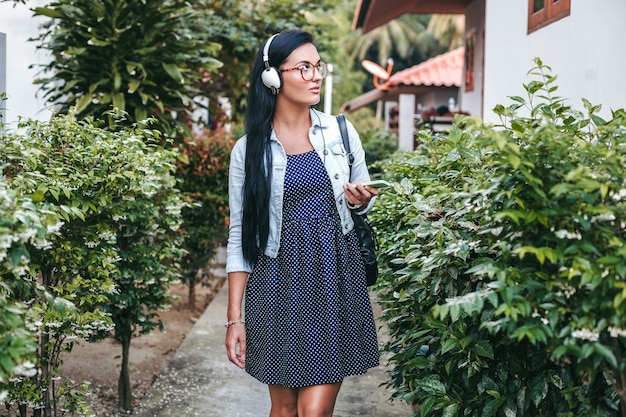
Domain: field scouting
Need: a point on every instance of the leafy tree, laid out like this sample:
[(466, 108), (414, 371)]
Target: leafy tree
[(21, 224), (144, 57), (115, 249), (505, 246), (406, 40), (449, 29), (240, 27), (204, 175)]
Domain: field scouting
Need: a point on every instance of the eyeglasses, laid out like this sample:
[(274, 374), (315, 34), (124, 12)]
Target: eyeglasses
[(307, 70)]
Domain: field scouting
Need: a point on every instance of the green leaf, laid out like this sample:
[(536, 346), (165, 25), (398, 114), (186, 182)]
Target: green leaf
[(173, 72), (514, 160), (44, 11), (432, 387), (118, 101), (451, 410), (606, 353), (82, 103), (538, 390), (38, 196)]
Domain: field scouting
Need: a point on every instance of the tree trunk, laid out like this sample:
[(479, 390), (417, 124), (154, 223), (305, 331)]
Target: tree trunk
[(123, 386), (191, 299), (44, 382)]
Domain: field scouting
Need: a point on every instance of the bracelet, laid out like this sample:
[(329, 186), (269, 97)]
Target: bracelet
[(353, 206), (230, 323)]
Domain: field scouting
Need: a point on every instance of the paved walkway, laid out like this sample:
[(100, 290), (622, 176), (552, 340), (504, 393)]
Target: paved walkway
[(200, 381)]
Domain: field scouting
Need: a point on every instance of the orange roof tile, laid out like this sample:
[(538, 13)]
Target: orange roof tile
[(443, 70)]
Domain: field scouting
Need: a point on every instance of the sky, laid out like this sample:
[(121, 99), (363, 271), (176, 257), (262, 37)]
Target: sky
[(19, 24)]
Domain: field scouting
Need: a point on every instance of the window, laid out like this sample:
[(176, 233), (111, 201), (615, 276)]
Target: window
[(543, 12), (470, 44)]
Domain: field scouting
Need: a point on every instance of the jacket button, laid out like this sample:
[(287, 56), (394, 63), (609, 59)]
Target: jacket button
[(336, 176), (325, 151)]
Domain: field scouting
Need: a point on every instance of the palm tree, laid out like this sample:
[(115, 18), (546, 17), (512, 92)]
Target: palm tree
[(400, 38), (449, 29)]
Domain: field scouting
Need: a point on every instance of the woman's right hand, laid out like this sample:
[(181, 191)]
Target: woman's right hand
[(236, 344)]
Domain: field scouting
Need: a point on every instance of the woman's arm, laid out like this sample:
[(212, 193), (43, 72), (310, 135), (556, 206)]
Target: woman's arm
[(236, 330)]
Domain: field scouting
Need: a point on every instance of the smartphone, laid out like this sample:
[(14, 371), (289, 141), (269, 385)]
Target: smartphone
[(376, 184)]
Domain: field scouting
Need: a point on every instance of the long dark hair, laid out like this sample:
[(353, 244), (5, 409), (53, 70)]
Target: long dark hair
[(259, 115)]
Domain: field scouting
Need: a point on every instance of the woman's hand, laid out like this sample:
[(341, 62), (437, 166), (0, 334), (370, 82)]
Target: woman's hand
[(236, 344), (358, 195)]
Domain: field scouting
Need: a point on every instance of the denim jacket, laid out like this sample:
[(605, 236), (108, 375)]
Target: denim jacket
[(326, 140)]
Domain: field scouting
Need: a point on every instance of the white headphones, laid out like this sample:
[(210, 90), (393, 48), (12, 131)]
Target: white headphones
[(270, 76)]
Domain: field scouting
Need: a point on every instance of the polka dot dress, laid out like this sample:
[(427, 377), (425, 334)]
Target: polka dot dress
[(308, 315)]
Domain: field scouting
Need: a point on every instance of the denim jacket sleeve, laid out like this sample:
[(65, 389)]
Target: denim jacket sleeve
[(235, 261)]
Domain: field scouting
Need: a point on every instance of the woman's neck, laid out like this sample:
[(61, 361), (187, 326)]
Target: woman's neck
[(292, 118), (292, 130)]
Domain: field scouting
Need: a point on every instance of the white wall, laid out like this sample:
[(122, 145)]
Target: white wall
[(18, 23), (585, 50)]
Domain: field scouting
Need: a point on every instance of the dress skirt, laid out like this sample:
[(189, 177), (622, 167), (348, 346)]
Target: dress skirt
[(308, 315)]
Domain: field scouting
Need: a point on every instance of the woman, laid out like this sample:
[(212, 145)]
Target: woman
[(291, 247)]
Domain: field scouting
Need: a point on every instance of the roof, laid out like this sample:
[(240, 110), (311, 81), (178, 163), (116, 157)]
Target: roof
[(370, 14), (445, 70)]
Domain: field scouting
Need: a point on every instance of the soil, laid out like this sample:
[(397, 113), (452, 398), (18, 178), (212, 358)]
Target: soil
[(99, 362)]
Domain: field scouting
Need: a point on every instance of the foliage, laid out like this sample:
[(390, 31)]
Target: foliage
[(21, 224), (241, 26), (105, 257), (147, 58), (379, 144), (204, 176), (402, 39), (504, 290)]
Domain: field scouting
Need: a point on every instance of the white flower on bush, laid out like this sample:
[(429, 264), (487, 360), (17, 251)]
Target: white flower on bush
[(27, 234), (174, 209), (90, 243), (586, 334), (55, 228), (108, 236), (26, 369), (617, 332), (619, 195), (605, 217), (22, 269), (566, 234), (42, 244), (567, 290), (543, 320)]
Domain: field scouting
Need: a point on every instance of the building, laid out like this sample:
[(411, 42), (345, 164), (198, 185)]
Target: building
[(21, 60), (578, 39)]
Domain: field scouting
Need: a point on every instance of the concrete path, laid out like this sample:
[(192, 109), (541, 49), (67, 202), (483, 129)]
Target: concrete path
[(200, 381)]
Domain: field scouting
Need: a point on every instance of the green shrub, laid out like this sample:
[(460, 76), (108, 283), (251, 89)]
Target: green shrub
[(204, 180), (108, 259), (379, 144), (21, 224), (506, 256)]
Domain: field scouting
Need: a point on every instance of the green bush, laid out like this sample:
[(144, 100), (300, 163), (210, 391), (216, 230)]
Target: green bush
[(379, 144), (505, 287), (21, 225), (106, 250), (204, 180)]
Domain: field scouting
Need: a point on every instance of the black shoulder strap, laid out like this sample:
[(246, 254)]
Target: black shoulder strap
[(341, 119)]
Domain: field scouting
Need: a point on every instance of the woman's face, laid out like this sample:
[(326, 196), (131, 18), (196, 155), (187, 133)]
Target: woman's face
[(295, 88)]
